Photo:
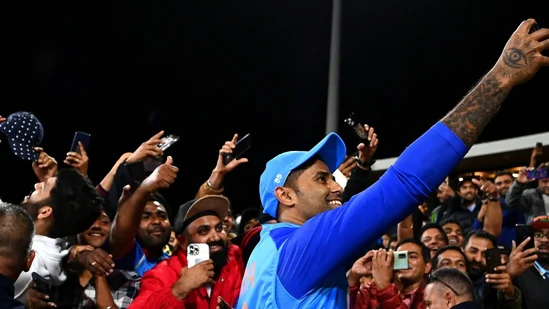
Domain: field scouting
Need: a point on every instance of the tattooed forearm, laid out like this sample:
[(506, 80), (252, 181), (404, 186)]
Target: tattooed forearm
[(472, 114)]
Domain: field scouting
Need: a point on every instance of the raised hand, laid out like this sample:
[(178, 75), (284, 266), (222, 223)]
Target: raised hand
[(78, 161), (45, 166), (521, 57), (347, 166), (366, 152), (382, 268), (486, 186), (148, 149), (501, 280), (522, 175), (220, 170), (520, 260), (161, 178), (228, 148)]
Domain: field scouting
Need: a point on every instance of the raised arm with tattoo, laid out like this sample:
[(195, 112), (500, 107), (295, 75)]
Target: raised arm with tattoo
[(520, 60)]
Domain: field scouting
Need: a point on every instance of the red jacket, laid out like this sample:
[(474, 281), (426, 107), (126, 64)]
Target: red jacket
[(387, 298), (156, 284)]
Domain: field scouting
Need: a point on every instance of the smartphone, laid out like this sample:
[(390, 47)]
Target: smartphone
[(225, 305), (400, 260), (523, 231), (42, 284), (493, 259), (240, 148), (197, 253), (81, 137), (539, 173), (168, 141), (358, 127)]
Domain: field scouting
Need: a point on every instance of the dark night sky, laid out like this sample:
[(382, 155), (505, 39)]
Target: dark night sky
[(206, 69)]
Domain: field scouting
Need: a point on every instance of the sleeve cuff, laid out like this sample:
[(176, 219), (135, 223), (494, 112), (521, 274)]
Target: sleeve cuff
[(502, 298), (206, 190), (387, 293)]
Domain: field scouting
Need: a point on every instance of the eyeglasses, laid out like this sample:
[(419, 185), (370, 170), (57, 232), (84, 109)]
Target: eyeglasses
[(434, 278), (539, 235)]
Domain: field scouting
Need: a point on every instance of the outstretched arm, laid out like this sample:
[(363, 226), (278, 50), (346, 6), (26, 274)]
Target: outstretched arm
[(334, 238), (520, 60)]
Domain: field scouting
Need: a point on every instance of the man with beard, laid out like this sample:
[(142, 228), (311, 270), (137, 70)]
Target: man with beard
[(465, 206), (61, 206), (172, 284), (494, 290), (511, 217), (141, 227), (533, 202), (530, 267)]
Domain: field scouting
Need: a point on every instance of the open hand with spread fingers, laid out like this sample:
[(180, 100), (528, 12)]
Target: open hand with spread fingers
[(522, 55)]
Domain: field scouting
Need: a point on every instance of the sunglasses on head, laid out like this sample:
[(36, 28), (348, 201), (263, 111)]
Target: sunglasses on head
[(434, 278)]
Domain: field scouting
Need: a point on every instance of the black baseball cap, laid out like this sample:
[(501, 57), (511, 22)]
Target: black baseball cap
[(216, 205)]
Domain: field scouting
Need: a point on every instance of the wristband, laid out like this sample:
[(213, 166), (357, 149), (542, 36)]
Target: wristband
[(366, 164)]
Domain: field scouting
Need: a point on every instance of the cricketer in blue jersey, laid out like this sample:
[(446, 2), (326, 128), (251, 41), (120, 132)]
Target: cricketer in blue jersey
[(301, 261)]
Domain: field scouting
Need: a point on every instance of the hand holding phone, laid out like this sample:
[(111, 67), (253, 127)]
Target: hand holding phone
[(493, 260), (241, 147), (81, 137), (41, 284), (222, 304), (197, 253), (522, 232), (168, 141), (39, 293), (358, 127), (400, 260)]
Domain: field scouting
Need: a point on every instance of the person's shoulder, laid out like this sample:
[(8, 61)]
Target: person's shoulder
[(10, 303), (165, 271)]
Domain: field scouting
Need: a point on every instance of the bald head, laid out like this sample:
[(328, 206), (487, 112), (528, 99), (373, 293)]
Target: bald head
[(17, 230)]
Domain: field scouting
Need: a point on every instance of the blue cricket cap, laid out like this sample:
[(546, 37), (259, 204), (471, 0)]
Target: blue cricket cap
[(331, 151)]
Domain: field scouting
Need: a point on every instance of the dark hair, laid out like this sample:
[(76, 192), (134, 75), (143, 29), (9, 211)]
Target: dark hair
[(75, 202), (503, 173), (291, 180), (429, 226), (247, 215), (448, 248), (425, 253), (392, 239), (480, 234), (17, 230), (449, 221), (453, 279), (157, 197)]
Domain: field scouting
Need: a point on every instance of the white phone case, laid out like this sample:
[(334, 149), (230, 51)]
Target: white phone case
[(197, 253)]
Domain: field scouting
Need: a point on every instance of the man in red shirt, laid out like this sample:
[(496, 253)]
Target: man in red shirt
[(171, 284)]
